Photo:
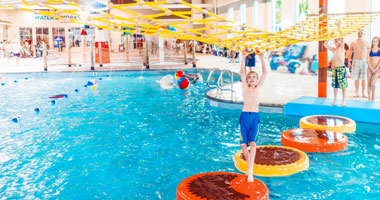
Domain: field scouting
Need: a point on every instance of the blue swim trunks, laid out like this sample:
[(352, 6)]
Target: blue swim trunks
[(250, 60), (249, 127), (339, 77)]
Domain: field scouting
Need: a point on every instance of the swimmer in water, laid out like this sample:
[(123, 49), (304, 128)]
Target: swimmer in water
[(194, 77)]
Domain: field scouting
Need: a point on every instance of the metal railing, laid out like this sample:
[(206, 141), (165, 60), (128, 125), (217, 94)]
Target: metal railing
[(219, 84), (209, 77)]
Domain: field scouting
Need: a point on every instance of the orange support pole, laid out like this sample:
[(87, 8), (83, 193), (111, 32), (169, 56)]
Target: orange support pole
[(322, 51)]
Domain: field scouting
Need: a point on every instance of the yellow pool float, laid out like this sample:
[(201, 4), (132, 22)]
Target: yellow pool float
[(274, 161), (329, 123)]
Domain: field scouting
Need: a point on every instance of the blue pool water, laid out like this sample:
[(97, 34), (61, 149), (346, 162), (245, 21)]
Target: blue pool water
[(130, 139)]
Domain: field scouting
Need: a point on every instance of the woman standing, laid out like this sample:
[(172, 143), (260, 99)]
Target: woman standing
[(373, 71)]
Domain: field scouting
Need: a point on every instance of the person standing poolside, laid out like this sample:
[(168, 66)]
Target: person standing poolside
[(373, 61), (360, 49), (339, 73), (249, 118), (234, 55), (346, 59)]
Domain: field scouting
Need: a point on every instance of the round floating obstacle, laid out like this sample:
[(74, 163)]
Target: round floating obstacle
[(274, 161), (312, 140), (221, 185), (329, 123)]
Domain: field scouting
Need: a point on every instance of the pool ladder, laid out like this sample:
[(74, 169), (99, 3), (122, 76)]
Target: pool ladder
[(219, 84)]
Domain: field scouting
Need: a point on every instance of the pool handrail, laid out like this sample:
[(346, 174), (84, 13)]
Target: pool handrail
[(220, 82), (209, 77)]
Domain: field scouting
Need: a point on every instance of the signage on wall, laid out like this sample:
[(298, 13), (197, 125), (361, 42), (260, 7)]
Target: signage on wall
[(44, 17)]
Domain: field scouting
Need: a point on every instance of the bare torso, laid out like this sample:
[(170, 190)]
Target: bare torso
[(360, 49), (374, 60), (339, 57), (250, 99)]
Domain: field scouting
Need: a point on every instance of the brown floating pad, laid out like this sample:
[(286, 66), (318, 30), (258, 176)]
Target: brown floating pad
[(274, 161), (275, 156), (312, 140), (221, 186), (328, 120)]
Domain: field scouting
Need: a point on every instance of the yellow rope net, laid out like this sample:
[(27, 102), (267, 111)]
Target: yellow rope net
[(315, 28)]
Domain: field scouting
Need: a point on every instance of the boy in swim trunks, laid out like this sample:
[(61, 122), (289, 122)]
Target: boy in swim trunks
[(339, 77), (249, 118)]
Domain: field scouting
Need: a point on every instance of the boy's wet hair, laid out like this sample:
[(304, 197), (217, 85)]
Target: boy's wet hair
[(253, 72)]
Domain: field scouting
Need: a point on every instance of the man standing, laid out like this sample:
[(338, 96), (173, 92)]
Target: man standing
[(360, 49)]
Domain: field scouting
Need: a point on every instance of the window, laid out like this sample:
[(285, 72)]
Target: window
[(276, 15), (90, 34), (58, 36), (230, 16), (243, 14), (337, 6), (76, 37), (255, 12), (42, 35), (26, 35), (375, 26), (301, 10)]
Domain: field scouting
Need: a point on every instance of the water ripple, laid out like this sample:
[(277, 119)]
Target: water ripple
[(130, 134)]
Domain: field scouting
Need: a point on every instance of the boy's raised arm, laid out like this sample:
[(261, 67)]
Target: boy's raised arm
[(327, 46), (264, 69), (242, 69)]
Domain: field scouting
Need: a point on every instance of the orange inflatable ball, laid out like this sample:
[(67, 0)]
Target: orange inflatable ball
[(183, 83), (179, 74), (221, 185)]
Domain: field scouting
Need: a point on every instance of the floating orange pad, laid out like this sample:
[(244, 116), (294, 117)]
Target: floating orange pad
[(329, 123), (312, 140), (221, 185)]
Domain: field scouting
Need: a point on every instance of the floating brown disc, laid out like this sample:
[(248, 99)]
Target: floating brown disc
[(312, 140), (221, 186)]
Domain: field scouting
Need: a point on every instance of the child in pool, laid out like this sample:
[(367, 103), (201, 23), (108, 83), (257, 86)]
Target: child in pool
[(249, 118)]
